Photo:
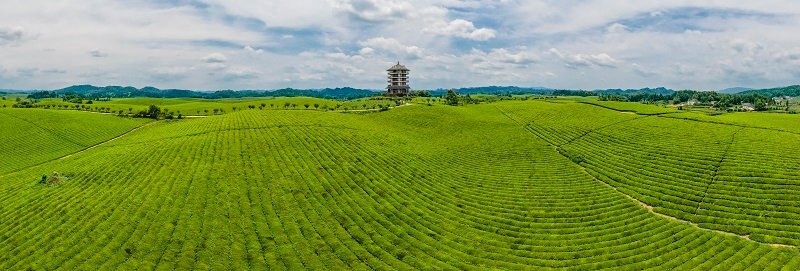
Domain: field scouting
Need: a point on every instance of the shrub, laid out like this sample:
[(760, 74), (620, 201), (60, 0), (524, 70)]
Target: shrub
[(54, 179)]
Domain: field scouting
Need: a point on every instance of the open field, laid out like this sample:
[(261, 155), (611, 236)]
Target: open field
[(512, 185)]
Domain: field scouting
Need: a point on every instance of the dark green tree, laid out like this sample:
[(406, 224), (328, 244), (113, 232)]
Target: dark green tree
[(153, 111), (451, 97)]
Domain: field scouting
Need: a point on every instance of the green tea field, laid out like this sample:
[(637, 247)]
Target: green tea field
[(509, 185)]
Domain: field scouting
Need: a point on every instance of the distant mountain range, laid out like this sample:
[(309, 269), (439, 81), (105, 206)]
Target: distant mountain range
[(658, 90), (734, 90), (122, 92), (353, 93)]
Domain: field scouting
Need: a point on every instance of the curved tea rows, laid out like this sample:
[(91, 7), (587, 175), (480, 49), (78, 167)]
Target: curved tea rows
[(757, 192), (725, 177), (34, 136), (413, 188)]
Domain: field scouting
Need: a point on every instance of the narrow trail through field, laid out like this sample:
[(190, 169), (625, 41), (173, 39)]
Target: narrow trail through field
[(596, 129), (638, 202), (107, 141), (84, 149), (716, 169)]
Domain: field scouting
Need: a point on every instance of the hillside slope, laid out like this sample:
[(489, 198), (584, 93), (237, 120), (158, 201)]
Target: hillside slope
[(32, 136), (418, 187)]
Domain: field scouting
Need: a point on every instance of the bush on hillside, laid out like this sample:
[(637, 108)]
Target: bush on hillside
[(54, 179)]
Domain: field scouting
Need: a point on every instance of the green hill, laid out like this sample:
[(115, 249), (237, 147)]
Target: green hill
[(508, 185), (32, 136), (792, 91)]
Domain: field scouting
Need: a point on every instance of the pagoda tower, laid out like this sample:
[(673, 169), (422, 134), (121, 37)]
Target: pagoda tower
[(398, 81)]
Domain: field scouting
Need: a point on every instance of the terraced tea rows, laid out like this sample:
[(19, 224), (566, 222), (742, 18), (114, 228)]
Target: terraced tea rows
[(756, 191), (34, 136), (726, 177), (417, 187)]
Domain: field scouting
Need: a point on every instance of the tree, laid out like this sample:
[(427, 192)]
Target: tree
[(286, 105), (294, 105), (216, 110), (153, 111), (451, 97), (760, 105), (306, 105), (205, 111), (263, 105), (316, 106)]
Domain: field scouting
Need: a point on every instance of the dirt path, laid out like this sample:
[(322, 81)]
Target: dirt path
[(648, 207), (105, 142), (83, 150)]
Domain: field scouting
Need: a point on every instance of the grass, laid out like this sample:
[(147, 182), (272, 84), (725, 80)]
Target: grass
[(507, 185)]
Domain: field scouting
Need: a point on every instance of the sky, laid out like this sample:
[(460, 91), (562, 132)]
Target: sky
[(270, 44)]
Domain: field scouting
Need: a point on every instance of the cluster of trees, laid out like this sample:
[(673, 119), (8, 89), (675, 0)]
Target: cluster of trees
[(494, 90), (715, 99), (155, 112), (67, 96), (453, 98), (566, 92)]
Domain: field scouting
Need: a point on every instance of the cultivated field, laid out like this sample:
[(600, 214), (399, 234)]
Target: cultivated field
[(512, 185)]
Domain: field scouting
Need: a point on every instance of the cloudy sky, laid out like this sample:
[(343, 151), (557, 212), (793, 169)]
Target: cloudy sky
[(267, 44)]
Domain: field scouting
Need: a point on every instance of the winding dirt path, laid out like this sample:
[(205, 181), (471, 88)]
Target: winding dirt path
[(644, 205), (83, 150), (107, 141)]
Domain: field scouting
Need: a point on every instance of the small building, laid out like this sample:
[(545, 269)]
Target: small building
[(748, 107), (398, 81), (693, 102)]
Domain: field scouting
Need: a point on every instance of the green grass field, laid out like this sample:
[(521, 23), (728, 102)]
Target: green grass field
[(511, 185)]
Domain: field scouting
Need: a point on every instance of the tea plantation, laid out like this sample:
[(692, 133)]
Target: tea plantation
[(512, 185)]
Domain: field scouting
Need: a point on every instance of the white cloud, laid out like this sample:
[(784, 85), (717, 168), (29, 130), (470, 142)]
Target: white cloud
[(9, 35), (374, 10), (702, 44), (215, 58), (253, 50), (242, 73), (97, 53), (617, 28), (463, 29), (585, 60), (391, 46), (502, 55)]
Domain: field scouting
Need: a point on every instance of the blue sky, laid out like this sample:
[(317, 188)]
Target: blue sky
[(215, 44)]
